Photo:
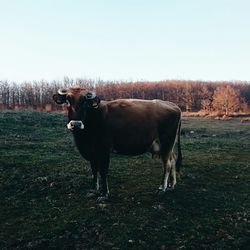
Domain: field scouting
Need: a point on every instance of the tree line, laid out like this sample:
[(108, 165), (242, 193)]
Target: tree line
[(191, 96)]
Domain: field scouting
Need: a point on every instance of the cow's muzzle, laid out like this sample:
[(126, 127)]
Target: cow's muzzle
[(73, 124)]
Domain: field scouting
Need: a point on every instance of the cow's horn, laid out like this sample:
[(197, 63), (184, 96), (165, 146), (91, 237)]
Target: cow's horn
[(62, 91)]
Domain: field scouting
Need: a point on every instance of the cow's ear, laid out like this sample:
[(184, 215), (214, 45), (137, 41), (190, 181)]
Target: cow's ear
[(93, 100), (59, 99)]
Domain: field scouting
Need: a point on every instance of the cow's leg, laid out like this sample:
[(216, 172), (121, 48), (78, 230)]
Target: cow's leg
[(167, 145), (95, 184), (105, 188), (163, 178), (93, 192), (166, 174), (103, 170), (172, 177)]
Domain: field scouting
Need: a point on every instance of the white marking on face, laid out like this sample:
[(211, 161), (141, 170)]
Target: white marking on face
[(82, 125), (71, 125)]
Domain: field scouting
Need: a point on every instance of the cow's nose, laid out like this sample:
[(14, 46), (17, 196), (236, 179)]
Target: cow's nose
[(73, 124)]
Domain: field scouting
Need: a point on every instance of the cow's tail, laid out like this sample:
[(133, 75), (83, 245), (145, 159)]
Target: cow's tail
[(179, 156)]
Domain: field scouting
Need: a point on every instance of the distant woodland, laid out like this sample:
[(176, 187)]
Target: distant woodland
[(191, 96)]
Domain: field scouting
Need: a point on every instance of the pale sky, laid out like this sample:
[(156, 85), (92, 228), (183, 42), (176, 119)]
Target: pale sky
[(125, 39)]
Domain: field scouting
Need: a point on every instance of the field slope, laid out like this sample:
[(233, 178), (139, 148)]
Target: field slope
[(44, 181)]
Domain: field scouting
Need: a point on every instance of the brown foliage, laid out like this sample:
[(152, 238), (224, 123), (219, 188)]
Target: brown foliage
[(191, 96), (226, 99)]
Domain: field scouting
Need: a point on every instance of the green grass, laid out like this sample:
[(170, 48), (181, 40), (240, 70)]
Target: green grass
[(44, 181)]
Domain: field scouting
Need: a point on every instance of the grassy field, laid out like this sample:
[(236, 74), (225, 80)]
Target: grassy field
[(44, 182)]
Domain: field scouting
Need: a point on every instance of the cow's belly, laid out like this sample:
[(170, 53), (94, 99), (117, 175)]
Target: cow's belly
[(131, 149), (133, 144)]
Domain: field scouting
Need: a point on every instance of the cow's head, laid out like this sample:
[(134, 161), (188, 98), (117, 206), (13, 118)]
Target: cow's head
[(78, 102)]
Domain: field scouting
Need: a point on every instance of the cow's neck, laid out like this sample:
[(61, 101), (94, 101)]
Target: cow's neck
[(88, 139), (93, 128)]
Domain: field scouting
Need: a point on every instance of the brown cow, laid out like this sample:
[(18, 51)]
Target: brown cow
[(127, 126)]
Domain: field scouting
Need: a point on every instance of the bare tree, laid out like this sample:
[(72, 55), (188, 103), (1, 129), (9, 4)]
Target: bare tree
[(5, 94), (206, 95), (226, 99), (188, 96)]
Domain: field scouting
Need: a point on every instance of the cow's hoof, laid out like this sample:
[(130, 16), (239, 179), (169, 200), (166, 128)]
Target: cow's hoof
[(102, 199), (170, 187), (92, 193), (160, 192)]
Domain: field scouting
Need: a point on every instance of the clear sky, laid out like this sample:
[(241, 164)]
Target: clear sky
[(125, 39)]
